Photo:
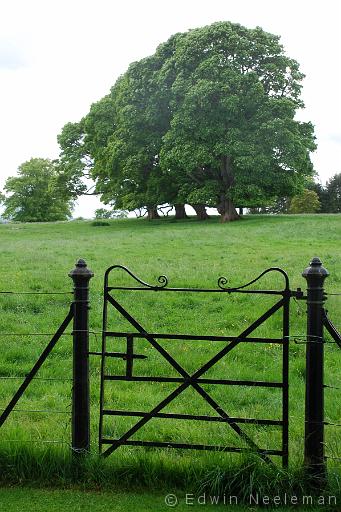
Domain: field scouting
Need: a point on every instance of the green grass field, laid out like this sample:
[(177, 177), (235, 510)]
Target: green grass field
[(55, 500), (37, 257)]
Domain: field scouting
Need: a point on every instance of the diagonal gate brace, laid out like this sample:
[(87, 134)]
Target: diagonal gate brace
[(29, 377)]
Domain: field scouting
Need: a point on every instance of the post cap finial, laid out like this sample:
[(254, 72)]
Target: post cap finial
[(81, 263), (315, 269), (81, 270)]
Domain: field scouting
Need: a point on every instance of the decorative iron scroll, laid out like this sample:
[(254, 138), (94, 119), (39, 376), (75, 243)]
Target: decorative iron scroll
[(161, 279), (222, 281)]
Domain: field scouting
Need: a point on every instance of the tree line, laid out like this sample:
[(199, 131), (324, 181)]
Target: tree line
[(315, 198), (207, 120)]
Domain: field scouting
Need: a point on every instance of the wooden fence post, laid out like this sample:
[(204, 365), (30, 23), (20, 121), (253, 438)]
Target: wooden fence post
[(314, 459), (81, 276)]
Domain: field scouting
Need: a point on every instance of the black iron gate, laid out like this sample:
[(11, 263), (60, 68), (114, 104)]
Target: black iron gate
[(317, 323), (196, 379)]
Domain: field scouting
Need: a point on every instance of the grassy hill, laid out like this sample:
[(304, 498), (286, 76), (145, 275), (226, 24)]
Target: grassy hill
[(37, 257)]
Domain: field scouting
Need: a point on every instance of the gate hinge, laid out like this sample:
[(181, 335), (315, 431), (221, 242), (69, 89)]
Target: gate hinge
[(298, 294)]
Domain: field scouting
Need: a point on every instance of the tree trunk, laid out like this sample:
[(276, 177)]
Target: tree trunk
[(180, 212), (227, 210), (241, 210), (152, 213), (226, 207), (201, 212)]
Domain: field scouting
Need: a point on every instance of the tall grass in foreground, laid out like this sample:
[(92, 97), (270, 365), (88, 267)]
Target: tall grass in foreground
[(158, 470)]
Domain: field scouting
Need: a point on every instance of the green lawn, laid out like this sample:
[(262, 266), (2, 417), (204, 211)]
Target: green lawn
[(47, 500), (17, 499), (37, 257)]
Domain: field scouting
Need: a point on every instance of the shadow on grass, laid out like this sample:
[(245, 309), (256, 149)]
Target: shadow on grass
[(147, 470)]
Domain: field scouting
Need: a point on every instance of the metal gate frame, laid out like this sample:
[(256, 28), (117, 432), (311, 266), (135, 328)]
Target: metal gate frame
[(186, 380)]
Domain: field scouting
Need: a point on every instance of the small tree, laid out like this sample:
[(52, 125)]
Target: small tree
[(103, 213), (34, 195), (307, 202), (333, 194)]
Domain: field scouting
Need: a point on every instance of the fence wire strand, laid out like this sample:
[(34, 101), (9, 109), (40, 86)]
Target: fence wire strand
[(40, 411), (34, 293), (299, 309), (34, 441), (24, 334), (18, 377)]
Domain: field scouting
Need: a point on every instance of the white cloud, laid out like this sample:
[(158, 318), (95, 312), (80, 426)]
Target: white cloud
[(335, 138), (11, 57)]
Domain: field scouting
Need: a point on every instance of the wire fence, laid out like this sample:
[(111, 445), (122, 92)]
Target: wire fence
[(17, 336), (297, 339)]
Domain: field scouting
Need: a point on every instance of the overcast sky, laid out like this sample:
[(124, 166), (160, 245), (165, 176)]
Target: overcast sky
[(57, 57)]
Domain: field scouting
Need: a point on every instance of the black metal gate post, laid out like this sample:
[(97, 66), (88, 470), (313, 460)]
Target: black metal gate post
[(314, 460), (81, 276)]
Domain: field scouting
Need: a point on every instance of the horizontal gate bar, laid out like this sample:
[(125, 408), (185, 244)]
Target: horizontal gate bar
[(199, 381), (158, 444), (192, 337), (122, 355), (192, 417), (155, 289)]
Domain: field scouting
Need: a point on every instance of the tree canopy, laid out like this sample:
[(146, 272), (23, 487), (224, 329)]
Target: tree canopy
[(208, 119), (35, 195)]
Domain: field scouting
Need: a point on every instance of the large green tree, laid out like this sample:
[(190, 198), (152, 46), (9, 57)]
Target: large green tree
[(75, 161), (34, 195), (233, 128), (118, 142), (209, 119), (130, 173), (83, 146)]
